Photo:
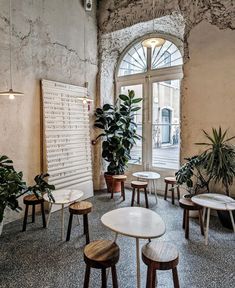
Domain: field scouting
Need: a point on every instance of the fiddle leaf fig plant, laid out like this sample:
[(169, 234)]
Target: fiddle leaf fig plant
[(119, 131)]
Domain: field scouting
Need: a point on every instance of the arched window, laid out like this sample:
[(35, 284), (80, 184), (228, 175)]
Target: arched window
[(154, 74), (136, 61)]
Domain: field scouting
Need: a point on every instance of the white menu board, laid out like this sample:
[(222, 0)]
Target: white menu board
[(67, 136)]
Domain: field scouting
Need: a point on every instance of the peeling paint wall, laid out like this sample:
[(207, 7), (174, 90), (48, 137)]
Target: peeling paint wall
[(207, 31), (48, 42)]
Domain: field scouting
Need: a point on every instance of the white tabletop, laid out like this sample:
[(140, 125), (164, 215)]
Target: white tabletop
[(135, 222), (64, 196), (147, 175), (214, 201)]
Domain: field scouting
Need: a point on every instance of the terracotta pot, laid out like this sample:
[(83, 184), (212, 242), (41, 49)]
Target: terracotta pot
[(109, 182)]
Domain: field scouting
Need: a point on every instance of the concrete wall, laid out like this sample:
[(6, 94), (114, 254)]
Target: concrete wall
[(207, 30), (48, 42), (208, 87)]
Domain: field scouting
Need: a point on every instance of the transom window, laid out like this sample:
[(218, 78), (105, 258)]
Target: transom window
[(136, 58), (154, 74)]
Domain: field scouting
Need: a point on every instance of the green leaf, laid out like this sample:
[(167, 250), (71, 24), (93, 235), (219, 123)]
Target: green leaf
[(123, 97), (136, 100)]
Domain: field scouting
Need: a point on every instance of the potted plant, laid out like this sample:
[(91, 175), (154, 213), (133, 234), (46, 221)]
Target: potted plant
[(216, 164), (219, 163), (192, 175), (119, 132), (12, 187)]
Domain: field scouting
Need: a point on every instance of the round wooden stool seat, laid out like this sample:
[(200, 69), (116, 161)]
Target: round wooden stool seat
[(119, 177), (101, 254), (170, 180), (139, 184), (188, 204), (80, 208), (159, 255), (32, 200)]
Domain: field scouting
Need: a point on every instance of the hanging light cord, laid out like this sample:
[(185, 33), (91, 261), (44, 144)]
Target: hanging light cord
[(10, 39), (153, 13)]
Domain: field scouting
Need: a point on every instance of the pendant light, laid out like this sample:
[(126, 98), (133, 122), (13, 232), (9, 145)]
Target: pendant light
[(11, 93), (154, 41)]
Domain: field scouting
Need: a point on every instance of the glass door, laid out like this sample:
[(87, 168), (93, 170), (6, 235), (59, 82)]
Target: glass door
[(136, 153), (165, 124)]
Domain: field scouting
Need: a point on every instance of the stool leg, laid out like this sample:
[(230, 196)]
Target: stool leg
[(33, 213), (178, 192), (184, 218), (86, 228), (123, 191), (114, 276), (146, 198), (166, 189), (104, 281), (43, 215), (187, 224), (172, 195), (25, 217), (69, 227), (175, 278), (201, 222), (138, 196), (151, 278), (112, 189), (133, 197), (87, 277)]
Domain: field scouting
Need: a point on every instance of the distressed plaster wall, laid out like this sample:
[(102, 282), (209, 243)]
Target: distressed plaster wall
[(207, 31), (48, 42)]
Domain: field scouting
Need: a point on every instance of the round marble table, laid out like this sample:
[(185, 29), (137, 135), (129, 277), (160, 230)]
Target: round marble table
[(62, 197), (214, 201), (136, 222), (150, 177)]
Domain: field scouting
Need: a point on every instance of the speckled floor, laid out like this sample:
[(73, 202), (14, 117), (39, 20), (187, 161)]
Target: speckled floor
[(37, 257)]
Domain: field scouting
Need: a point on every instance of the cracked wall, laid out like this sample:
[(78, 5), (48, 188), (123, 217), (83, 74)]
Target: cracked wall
[(207, 31), (48, 42)]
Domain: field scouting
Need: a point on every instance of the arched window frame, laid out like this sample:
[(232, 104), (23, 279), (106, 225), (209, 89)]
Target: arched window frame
[(146, 79)]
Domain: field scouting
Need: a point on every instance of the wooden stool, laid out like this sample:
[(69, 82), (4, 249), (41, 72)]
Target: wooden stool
[(32, 200), (188, 205), (80, 208), (101, 254), (172, 181), (160, 256), (139, 185), (122, 179)]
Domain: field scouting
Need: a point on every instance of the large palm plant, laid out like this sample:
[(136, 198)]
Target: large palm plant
[(219, 157)]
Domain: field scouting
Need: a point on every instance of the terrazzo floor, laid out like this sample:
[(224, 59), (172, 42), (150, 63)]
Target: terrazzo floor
[(38, 258)]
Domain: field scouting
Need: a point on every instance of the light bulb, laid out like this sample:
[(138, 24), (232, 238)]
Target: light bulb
[(84, 101), (11, 96)]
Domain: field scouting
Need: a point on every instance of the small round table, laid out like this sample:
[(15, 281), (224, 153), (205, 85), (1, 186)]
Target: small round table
[(214, 201), (136, 222), (150, 177), (62, 197)]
